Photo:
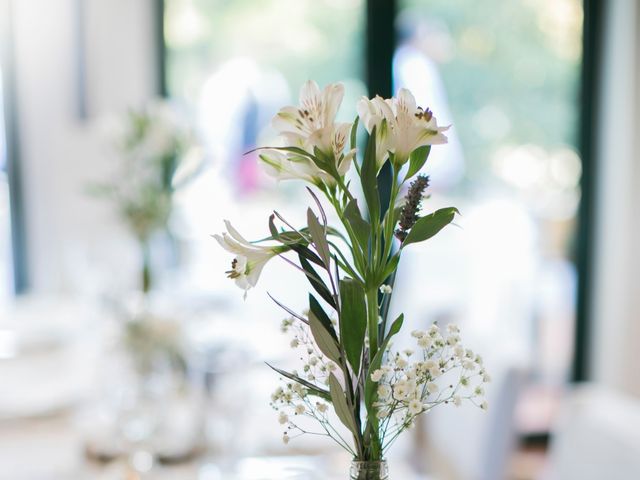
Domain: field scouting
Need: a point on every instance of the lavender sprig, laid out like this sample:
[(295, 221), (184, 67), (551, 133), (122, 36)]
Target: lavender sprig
[(409, 213)]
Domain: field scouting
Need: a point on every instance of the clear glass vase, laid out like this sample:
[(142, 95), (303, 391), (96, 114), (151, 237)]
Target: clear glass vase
[(375, 470)]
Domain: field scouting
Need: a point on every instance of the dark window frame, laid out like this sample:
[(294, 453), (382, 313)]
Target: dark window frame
[(585, 250)]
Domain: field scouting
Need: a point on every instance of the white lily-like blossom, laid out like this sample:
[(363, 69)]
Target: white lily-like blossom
[(311, 126), (249, 258), (288, 166), (401, 126)]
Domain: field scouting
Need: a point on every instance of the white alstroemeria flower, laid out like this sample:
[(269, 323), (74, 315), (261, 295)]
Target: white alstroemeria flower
[(312, 125), (313, 120), (249, 260), (401, 126), (289, 166)]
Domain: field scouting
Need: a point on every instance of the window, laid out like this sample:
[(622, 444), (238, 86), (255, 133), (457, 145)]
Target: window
[(233, 65), (506, 76), (6, 271)]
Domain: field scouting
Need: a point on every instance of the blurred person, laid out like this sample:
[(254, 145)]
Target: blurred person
[(423, 44)]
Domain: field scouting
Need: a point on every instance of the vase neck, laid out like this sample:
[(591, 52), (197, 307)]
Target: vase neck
[(369, 470)]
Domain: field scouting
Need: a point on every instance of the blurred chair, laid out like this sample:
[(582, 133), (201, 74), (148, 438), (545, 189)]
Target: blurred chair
[(465, 443), (597, 436)]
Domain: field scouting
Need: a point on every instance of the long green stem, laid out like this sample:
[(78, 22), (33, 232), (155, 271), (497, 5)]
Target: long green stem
[(372, 321)]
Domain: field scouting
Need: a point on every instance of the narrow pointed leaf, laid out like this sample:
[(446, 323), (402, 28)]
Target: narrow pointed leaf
[(318, 311), (323, 339), (368, 177), (315, 281), (288, 310), (354, 134), (340, 404), (307, 254), (360, 226), (353, 320), (319, 238), (313, 390)]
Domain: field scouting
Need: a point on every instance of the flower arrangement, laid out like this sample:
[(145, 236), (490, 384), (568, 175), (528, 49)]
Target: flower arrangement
[(350, 372), (153, 145)]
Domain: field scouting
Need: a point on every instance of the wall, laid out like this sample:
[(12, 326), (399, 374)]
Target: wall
[(70, 235), (616, 299)]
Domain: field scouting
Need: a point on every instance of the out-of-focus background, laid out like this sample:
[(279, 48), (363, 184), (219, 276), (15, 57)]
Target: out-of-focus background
[(125, 353)]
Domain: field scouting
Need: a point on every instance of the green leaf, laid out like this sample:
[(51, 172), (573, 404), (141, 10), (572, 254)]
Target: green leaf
[(428, 226), (307, 254), (353, 320), (341, 406), (360, 226), (390, 268), (417, 159), (285, 237), (319, 238), (316, 282), (296, 150), (316, 308), (368, 177), (272, 227), (370, 386), (354, 132), (323, 338), (313, 390)]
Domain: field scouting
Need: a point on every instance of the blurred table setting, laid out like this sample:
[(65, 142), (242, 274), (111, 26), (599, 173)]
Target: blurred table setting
[(76, 404)]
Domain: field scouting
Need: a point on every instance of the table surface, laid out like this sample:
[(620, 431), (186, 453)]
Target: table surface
[(52, 448)]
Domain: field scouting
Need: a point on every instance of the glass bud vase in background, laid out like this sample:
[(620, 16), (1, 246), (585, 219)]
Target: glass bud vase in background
[(376, 470)]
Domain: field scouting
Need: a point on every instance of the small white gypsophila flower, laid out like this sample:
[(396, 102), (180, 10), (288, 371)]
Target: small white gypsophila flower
[(321, 407), (408, 352), (295, 343), (425, 342), (384, 392), (453, 340), (432, 387), (418, 334), (376, 376), (386, 289), (382, 413), (285, 438), (434, 330), (484, 405), (401, 362), (453, 328), (401, 390), (283, 418), (468, 365), (415, 407), (300, 409)]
